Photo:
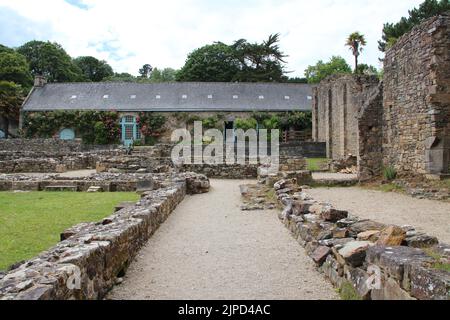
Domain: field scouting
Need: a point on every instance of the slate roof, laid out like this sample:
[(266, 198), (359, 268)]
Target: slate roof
[(171, 96)]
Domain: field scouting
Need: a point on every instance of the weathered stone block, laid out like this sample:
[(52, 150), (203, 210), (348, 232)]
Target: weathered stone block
[(354, 253), (391, 236), (390, 290), (428, 284)]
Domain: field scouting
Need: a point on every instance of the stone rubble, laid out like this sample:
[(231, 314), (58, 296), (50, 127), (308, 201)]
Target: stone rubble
[(347, 249)]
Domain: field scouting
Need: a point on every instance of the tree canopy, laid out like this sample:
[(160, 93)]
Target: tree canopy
[(215, 62), (50, 60), (356, 42), (242, 61), (14, 68), (93, 69), (164, 75), (321, 70), (393, 31), (11, 98)]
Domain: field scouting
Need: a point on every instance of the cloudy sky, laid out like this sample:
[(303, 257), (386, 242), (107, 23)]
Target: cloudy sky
[(131, 33)]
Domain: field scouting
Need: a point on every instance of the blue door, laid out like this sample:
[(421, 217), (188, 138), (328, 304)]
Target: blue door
[(130, 130)]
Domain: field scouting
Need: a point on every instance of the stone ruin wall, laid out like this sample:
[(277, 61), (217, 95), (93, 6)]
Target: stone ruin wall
[(403, 122), (416, 104), (338, 108)]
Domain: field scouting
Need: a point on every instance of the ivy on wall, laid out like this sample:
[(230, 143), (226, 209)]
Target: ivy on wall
[(94, 127), (151, 124)]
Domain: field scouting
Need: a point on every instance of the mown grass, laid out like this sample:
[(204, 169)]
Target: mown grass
[(32, 222), (315, 164)]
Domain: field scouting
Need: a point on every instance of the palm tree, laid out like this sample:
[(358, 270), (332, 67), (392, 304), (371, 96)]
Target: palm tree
[(356, 42)]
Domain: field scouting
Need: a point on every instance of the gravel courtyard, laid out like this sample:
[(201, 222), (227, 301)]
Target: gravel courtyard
[(432, 217), (210, 249)]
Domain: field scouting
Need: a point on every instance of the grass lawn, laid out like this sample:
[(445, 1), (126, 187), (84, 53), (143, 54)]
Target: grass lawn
[(315, 164), (32, 222)]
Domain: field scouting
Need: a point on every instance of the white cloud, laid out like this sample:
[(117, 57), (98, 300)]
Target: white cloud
[(162, 33)]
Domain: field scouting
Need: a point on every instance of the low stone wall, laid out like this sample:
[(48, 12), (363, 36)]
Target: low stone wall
[(46, 162), (55, 146), (94, 255), (223, 171), (376, 261), (304, 149)]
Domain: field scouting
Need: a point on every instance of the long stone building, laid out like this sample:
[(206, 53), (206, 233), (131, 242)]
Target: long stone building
[(403, 122), (177, 101)]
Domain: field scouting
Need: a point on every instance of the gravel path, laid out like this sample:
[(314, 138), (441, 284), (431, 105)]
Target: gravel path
[(210, 249), (432, 217)]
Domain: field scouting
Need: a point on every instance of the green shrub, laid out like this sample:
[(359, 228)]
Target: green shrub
[(390, 173), (210, 123), (246, 124), (101, 134)]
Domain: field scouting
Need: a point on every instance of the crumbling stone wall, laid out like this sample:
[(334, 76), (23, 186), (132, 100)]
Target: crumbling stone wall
[(416, 104), (343, 106), (369, 138), (378, 261)]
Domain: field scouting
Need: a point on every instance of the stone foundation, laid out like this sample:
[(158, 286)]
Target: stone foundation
[(378, 261)]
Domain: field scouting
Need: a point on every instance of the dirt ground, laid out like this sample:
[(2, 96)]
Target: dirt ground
[(210, 249), (432, 217)]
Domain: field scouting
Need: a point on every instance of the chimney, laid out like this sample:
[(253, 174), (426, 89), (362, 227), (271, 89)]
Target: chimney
[(39, 81)]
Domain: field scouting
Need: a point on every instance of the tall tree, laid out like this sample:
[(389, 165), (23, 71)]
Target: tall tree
[(5, 49), (50, 60), (211, 63), (321, 70), (146, 71), (356, 43), (94, 69), (11, 98), (259, 61), (164, 75), (428, 9), (14, 67)]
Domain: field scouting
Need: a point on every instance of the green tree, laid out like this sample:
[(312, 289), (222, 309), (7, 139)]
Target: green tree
[(94, 69), (367, 70), (122, 77), (5, 49), (11, 98), (393, 31), (14, 67), (356, 42), (146, 71), (164, 75), (336, 65), (50, 60), (297, 80), (259, 61), (211, 63)]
